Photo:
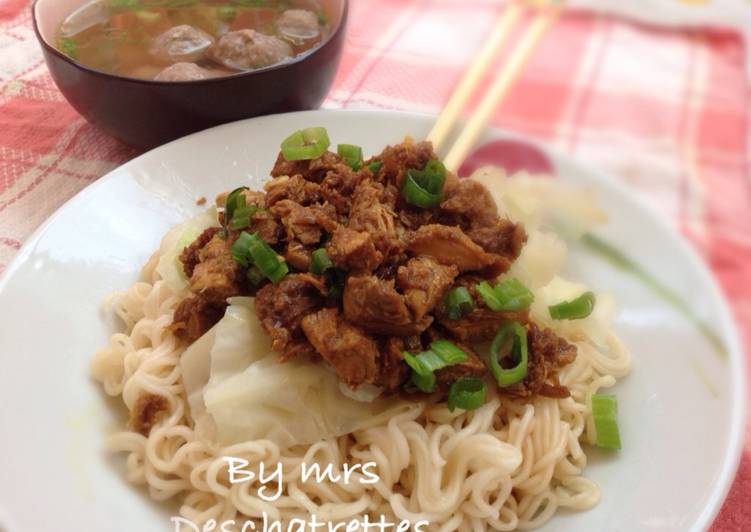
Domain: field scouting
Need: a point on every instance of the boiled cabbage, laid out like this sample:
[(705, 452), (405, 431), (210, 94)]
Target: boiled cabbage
[(249, 395), (169, 266)]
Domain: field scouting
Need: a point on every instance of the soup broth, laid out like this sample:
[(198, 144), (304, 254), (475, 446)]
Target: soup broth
[(186, 40)]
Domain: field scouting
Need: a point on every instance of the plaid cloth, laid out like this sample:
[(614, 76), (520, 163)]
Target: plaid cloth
[(666, 111)]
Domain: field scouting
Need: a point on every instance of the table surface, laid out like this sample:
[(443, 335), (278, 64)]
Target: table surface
[(665, 111)]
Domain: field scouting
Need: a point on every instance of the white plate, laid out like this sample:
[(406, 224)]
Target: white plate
[(681, 409)]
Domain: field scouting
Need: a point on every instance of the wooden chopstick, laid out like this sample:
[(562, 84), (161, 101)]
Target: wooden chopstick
[(498, 90), (467, 86)]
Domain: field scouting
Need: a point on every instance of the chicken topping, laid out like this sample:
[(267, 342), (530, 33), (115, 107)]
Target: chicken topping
[(353, 250), (282, 307), (450, 246), (351, 353), (383, 270)]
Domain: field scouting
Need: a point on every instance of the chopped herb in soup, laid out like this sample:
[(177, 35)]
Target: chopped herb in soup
[(186, 40)]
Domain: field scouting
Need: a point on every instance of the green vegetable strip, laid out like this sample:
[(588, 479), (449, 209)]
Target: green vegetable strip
[(513, 295), (467, 394), (442, 354), (422, 376), (235, 200), (320, 262), (458, 303), (226, 13), (306, 144), (511, 337), (241, 217), (351, 154), (251, 249), (509, 295), (424, 188), (240, 249), (489, 296), (576, 309), (605, 416), (375, 166), (448, 352)]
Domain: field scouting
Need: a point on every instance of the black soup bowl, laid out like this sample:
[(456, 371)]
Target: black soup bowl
[(145, 113)]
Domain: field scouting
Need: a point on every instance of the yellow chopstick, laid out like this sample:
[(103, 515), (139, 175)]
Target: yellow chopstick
[(498, 90)]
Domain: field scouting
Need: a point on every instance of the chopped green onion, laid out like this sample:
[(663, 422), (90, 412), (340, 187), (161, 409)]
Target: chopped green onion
[(375, 166), (512, 338), (489, 295), (509, 295), (305, 144), (424, 188), (241, 217), (226, 13), (441, 354), (235, 200), (513, 295), (458, 303), (422, 376), (605, 416), (351, 154), (240, 249), (322, 20), (250, 249), (448, 352), (149, 17), (320, 262), (467, 393), (278, 274), (68, 47), (576, 309)]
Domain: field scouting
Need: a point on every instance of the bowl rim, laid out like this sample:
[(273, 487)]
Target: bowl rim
[(48, 47)]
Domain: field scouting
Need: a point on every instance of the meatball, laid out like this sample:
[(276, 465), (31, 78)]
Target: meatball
[(181, 44), (182, 72), (248, 49), (298, 24)]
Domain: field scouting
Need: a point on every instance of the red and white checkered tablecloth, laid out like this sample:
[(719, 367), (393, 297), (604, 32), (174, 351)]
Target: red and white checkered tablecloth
[(666, 111)]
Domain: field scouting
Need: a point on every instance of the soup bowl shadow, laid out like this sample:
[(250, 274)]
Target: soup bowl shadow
[(145, 113)]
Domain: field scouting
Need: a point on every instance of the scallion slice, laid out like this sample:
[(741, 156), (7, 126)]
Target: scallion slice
[(422, 376), (467, 393), (575, 309), (513, 295), (251, 249), (424, 188), (305, 144), (489, 296), (320, 262), (235, 200), (240, 249), (351, 154), (458, 303), (241, 217), (375, 166), (605, 416), (512, 338), (448, 352), (441, 354), (509, 295)]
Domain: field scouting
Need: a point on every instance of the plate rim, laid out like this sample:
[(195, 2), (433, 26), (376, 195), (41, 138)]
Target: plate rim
[(736, 358)]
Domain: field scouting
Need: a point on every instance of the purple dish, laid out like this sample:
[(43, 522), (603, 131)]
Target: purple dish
[(144, 113)]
